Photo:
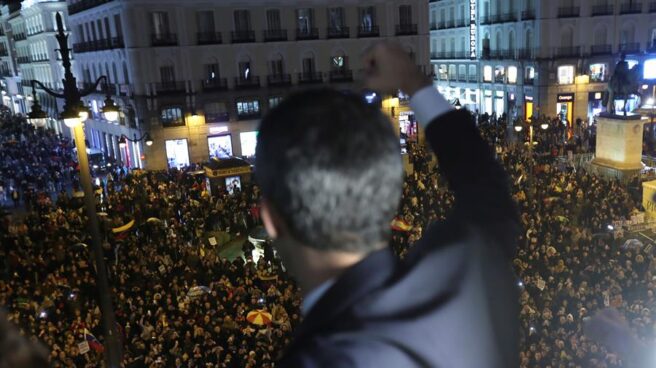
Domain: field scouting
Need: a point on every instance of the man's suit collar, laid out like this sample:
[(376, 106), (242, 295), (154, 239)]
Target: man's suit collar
[(356, 282)]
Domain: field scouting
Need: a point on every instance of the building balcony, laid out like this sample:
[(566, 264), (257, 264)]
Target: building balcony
[(567, 52), (449, 23), (242, 36), (508, 17), (249, 115), (502, 54), (23, 59), (83, 5), (4, 52), (217, 117), (448, 55), (274, 35), (526, 54), (311, 33), (209, 38), (629, 47), (406, 29), (433, 26), (20, 36), (44, 30), (169, 88), (5, 73), (310, 77), (39, 58), (631, 8), (334, 32), (214, 84), (99, 45), (485, 20), (373, 31), (343, 75), (244, 83), (600, 10), (652, 7), (462, 22), (569, 11), (596, 50), (164, 39), (528, 14), (279, 79)]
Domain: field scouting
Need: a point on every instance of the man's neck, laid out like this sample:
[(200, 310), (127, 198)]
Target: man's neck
[(320, 266)]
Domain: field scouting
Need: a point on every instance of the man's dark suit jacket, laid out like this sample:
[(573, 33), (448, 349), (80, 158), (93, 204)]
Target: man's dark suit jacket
[(452, 301)]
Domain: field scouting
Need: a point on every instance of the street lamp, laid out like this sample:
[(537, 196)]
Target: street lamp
[(72, 117), (518, 128), (123, 141), (37, 116), (110, 110)]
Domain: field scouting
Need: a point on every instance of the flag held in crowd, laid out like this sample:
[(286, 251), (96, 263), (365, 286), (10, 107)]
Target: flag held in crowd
[(93, 342)]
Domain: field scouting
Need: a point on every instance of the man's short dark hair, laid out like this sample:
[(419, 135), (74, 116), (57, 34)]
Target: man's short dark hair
[(330, 165)]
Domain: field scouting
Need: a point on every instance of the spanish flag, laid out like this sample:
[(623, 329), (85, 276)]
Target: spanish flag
[(398, 224)]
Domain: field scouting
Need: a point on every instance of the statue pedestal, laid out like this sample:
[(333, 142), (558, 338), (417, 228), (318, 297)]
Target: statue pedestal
[(618, 150)]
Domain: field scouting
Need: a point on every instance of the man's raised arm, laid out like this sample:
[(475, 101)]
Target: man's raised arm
[(478, 181)]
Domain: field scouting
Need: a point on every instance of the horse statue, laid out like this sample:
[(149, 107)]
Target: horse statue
[(623, 84)]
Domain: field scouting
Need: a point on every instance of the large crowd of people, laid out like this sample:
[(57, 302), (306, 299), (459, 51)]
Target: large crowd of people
[(180, 304), (568, 264)]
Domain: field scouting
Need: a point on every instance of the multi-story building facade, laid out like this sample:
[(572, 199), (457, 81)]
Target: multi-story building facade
[(538, 57), (198, 75), (28, 51)]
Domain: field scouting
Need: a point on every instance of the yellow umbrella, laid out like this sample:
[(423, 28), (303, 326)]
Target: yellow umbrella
[(259, 317)]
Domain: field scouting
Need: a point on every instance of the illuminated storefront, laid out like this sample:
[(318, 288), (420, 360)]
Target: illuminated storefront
[(565, 109), (220, 146), (595, 104), (528, 107), (408, 128), (177, 153)]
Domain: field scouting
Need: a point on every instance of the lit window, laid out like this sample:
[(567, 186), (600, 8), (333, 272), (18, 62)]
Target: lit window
[(338, 62), (487, 73), (597, 72), (530, 73), (566, 74), (499, 74), (650, 69), (248, 108), (274, 101), (512, 74), (171, 116)]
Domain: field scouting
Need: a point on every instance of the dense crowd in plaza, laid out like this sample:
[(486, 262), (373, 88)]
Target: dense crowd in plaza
[(179, 304), (568, 265)]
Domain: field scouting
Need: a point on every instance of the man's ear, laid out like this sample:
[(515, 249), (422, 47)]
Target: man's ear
[(271, 220)]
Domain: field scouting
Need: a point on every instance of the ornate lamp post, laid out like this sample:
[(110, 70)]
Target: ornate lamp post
[(123, 141), (74, 114)]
